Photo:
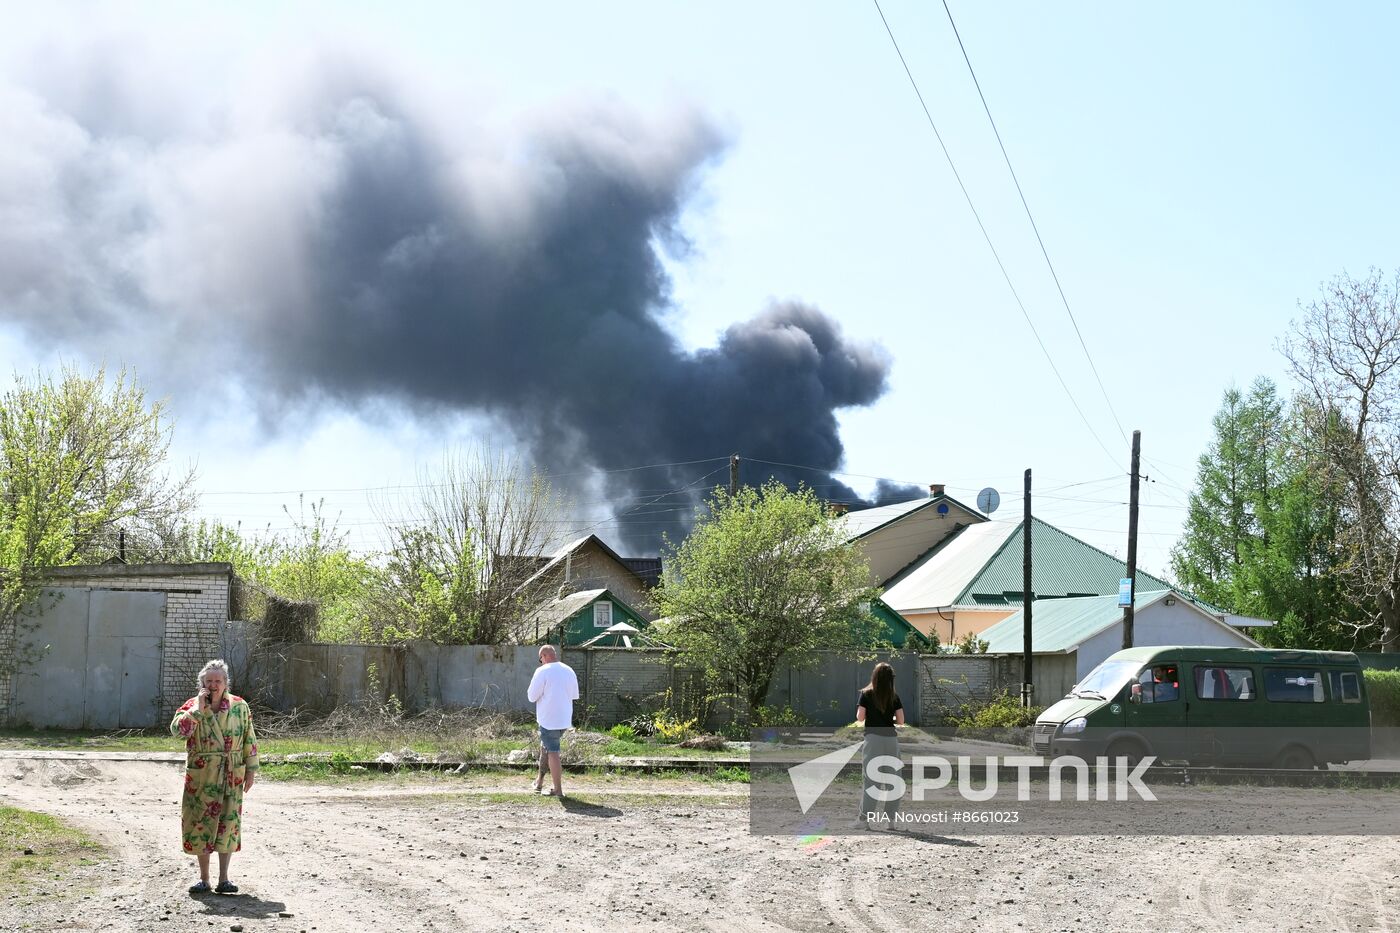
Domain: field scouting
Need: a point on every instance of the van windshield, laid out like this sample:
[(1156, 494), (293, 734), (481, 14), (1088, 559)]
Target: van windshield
[(1107, 679)]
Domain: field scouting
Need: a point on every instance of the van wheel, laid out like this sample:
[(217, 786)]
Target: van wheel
[(1294, 758), (1126, 748)]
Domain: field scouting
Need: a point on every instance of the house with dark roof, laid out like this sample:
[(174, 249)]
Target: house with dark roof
[(588, 565)]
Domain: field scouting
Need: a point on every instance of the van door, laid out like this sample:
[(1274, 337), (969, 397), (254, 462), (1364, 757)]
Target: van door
[(1300, 714), (1157, 709), (1225, 709)]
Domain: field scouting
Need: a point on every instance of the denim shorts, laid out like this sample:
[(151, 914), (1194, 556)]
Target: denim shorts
[(549, 739)]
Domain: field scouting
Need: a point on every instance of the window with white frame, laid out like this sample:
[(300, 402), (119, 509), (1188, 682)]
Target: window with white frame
[(1346, 687), (602, 614)]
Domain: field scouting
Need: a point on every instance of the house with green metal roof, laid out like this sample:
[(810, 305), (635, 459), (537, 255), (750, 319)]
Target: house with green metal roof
[(1072, 636), (972, 578), (577, 617), (893, 628), (899, 631)]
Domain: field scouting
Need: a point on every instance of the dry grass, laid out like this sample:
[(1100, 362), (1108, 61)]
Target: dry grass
[(363, 734), (447, 735)]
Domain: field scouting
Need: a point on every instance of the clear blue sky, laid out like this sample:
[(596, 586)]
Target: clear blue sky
[(1195, 169)]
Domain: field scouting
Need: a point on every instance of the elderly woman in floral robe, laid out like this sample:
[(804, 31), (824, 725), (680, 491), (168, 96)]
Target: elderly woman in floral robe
[(221, 763)]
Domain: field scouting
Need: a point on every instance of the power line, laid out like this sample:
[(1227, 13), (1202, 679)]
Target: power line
[(292, 492), (1029, 216), (1157, 465), (986, 236), (618, 519), (800, 466)]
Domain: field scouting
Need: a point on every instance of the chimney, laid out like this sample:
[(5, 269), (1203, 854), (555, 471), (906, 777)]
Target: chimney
[(935, 489)]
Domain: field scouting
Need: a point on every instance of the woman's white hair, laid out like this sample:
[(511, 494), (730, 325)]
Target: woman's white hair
[(218, 664)]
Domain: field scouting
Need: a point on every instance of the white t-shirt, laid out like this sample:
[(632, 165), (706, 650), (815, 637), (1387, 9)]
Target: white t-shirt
[(553, 690)]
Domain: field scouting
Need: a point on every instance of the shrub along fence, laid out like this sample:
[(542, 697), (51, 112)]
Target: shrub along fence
[(1383, 689)]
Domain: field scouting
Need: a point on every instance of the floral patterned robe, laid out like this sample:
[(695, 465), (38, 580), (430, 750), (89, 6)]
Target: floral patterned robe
[(220, 750)]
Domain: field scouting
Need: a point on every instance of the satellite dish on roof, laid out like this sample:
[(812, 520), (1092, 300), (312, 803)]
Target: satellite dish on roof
[(988, 500)]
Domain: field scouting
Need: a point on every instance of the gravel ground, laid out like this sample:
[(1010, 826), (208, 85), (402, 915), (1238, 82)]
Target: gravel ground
[(652, 855)]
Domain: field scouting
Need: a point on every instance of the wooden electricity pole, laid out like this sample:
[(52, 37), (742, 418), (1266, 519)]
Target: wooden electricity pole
[(733, 473), (1027, 688), (1132, 542)]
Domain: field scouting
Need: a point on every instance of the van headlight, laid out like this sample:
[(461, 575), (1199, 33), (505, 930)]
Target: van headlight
[(1075, 725)]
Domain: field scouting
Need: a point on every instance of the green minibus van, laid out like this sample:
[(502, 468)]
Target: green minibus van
[(1232, 707)]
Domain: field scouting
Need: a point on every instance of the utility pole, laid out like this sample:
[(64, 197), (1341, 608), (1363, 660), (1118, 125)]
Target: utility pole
[(1027, 685), (1132, 542), (733, 473)]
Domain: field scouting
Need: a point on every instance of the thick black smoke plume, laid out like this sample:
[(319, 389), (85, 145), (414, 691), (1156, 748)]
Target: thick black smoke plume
[(340, 241)]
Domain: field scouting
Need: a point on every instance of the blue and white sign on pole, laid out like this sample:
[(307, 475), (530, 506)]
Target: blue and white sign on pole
[(1125, 591)]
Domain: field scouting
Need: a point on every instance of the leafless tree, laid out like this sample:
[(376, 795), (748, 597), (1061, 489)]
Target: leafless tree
[(1345, 353), (465, 553)]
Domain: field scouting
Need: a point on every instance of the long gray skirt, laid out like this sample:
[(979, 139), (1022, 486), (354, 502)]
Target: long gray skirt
[(870, 807)]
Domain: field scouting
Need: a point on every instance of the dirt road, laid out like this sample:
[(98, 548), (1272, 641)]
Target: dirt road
[(413, 857)]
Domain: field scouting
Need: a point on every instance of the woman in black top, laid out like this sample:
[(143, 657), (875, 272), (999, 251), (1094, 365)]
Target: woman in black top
[(879, 708)]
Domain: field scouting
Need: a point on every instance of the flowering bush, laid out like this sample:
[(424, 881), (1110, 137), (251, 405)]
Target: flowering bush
[(671, 729)]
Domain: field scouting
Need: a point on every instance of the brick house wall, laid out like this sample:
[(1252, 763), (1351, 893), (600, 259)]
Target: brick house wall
[(947, 681)]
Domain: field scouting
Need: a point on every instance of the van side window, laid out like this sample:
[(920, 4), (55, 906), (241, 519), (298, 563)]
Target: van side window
[(1346, 687), (1158, 684), (1293, 685), (1224, 683)]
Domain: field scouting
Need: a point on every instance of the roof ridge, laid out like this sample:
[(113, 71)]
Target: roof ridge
[(567, 549), (1020, 529), (1017, 528), (1120, 560), (914, 505)]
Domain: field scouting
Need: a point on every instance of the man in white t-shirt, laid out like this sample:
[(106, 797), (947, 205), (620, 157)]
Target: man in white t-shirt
[(553, 690)]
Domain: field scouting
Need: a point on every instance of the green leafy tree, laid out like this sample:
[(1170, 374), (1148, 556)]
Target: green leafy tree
[(1293, 569), (311, 563), (82, 457), (765, 579), (1235, 480), (314, 563), (209, 540), (1263, 525), (428, 590)]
